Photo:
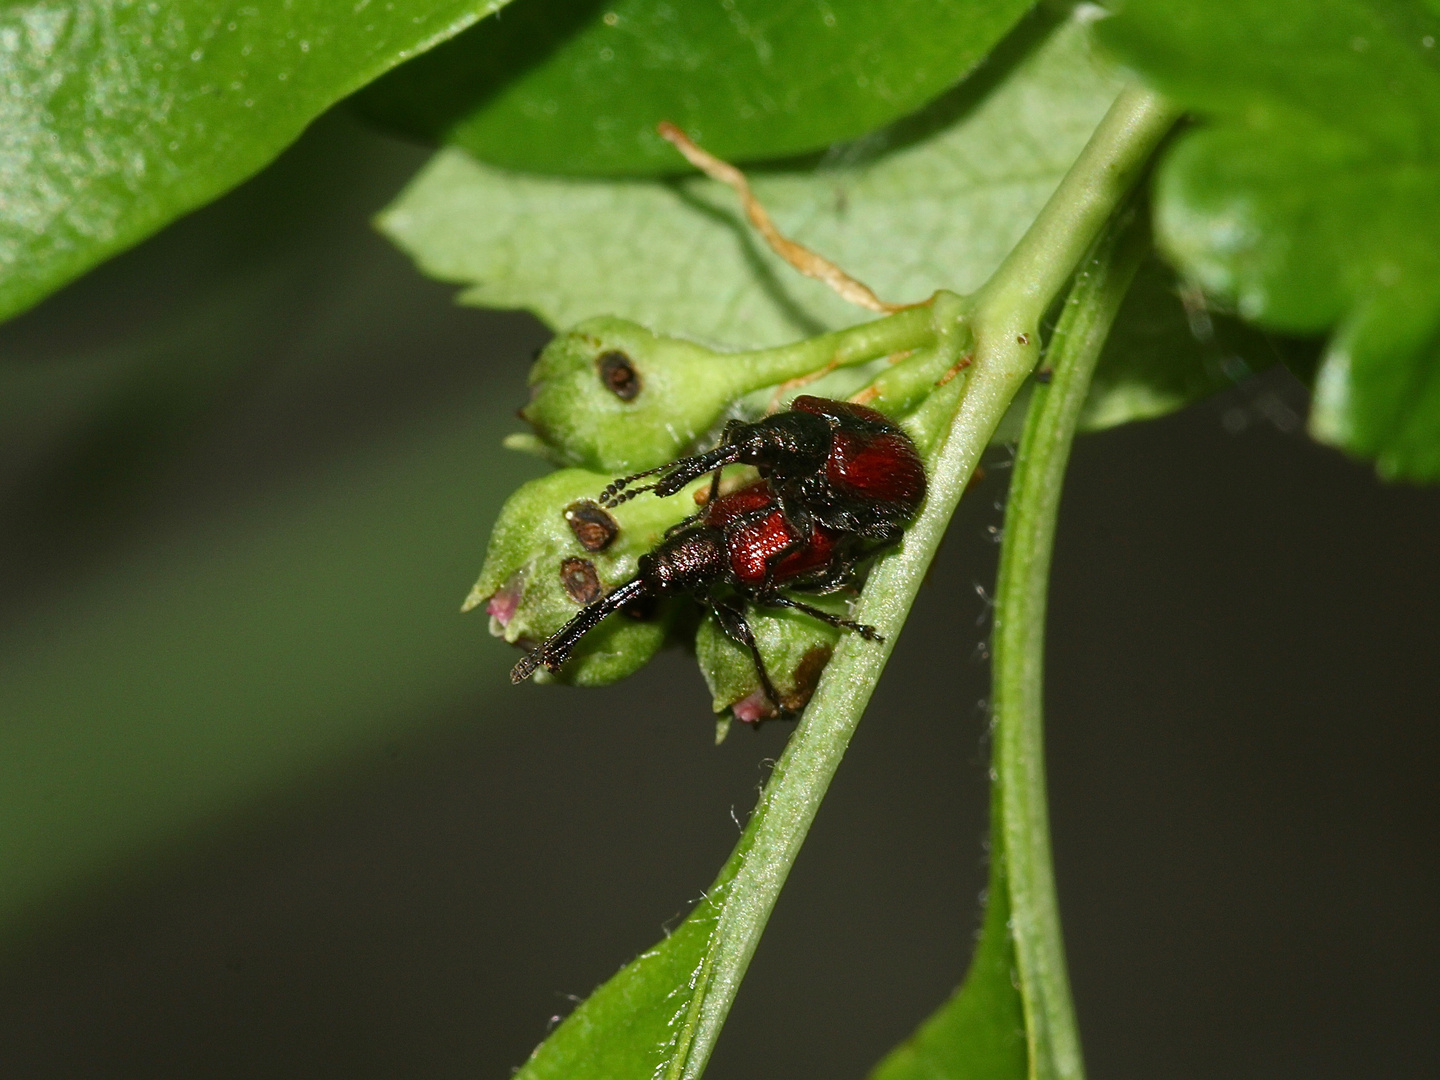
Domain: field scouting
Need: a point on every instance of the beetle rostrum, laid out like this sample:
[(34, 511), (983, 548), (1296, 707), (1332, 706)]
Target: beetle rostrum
[(839, 482)]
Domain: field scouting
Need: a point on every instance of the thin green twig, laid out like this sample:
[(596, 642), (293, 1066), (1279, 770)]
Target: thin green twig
[(1005, 319), (1020, 844), (662, 1014)]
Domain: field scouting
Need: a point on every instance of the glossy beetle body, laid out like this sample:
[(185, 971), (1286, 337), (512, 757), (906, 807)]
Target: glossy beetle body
[(839, 483), (762, 549), (741, 548), (831, 463)]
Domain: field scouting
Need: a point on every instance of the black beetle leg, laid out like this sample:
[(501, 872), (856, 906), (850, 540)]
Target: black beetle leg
[(732, 620), (774, 599), (841, 571), (714, 485), (683, 524)]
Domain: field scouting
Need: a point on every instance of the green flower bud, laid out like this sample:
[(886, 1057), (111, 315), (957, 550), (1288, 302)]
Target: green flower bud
[(554, 550), (794, 646), (612, 396)]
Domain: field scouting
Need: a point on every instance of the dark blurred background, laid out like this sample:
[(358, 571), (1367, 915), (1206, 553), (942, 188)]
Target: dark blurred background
[(268, 806)]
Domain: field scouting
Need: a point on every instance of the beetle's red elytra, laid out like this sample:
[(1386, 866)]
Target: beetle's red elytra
[(839, 482)]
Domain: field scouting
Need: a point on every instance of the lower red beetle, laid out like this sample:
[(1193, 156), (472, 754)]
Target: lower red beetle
[(839, 483)]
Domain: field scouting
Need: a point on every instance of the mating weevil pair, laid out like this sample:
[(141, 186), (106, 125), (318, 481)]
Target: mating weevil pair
[(838, 483)]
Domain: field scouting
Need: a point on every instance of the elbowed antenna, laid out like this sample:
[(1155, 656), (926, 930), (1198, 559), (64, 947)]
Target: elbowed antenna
[(556, 649), (697, 465), (677, 474), (613, 496)]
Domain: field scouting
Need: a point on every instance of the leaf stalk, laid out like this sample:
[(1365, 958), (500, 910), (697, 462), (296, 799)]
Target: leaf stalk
[(680, 992), (1004, 318), (1021, 868)]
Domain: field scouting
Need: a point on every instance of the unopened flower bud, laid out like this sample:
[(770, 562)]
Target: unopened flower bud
[(612, 396), (553, 550), (794, 646)]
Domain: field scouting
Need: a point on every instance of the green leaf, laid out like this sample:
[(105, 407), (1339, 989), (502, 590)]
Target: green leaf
[(937, 211), (689, 265), (120, 117), (1309, 197), (575, 87), (641, 1022), (979, 1034), (1160, 357)]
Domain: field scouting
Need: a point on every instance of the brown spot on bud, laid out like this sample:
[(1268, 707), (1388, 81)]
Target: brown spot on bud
[(755, 708), (807, 676), (592, 524), (619, 375), (580, 581)]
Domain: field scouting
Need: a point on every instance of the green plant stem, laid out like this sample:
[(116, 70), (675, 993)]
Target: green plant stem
[(1005, 320), (1020, 832), (1007, 312), (910, 328)]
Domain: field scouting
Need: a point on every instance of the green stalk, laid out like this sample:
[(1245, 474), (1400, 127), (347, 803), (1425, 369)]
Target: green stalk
[(1005, 320), (1020, 832), (910, 328), (1008, 310), (661, 1015)]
